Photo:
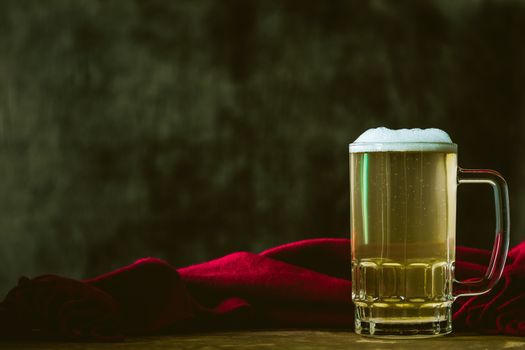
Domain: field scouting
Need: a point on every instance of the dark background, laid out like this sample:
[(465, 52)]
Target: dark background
[(190, 129)]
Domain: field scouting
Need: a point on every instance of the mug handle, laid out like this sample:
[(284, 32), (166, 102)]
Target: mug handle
[(501, 242)]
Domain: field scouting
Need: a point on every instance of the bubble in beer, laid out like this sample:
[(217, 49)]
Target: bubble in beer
[(403, 140)]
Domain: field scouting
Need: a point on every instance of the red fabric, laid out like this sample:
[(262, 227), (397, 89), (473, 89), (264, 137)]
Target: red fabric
[(302, 284)]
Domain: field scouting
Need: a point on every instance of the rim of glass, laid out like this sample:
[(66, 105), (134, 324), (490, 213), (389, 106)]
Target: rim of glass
[(405, 146)]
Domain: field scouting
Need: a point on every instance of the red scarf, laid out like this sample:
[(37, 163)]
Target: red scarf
[(304, 284)]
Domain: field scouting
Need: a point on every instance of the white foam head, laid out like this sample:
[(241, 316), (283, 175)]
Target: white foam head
[(403, 140)]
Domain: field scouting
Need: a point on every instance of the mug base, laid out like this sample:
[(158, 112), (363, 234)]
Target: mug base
[(403, 327)]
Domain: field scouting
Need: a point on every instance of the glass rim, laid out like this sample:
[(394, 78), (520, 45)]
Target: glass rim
[(403, 146)]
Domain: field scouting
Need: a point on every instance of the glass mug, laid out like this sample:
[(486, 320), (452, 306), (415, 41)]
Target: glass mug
[(403, 218)]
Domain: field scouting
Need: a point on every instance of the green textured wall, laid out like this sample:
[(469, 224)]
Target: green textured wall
[(190, 129)]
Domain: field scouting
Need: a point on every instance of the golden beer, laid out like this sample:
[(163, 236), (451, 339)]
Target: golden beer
[(403, 225), (403, 187)]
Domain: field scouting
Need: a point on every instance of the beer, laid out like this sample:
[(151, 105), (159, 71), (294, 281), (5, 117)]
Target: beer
[(403, 215), (403, 224)]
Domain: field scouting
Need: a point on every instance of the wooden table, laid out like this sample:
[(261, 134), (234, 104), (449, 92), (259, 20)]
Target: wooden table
[(286, 340)]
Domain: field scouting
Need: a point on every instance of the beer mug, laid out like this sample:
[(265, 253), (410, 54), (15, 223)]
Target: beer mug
[(403, 216)]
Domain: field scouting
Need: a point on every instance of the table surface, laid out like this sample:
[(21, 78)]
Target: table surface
[(289, 340)]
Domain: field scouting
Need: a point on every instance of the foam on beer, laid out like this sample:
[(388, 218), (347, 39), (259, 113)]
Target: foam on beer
[(403, 140)]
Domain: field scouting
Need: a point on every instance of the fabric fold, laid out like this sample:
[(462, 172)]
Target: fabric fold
[(301, 284)]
